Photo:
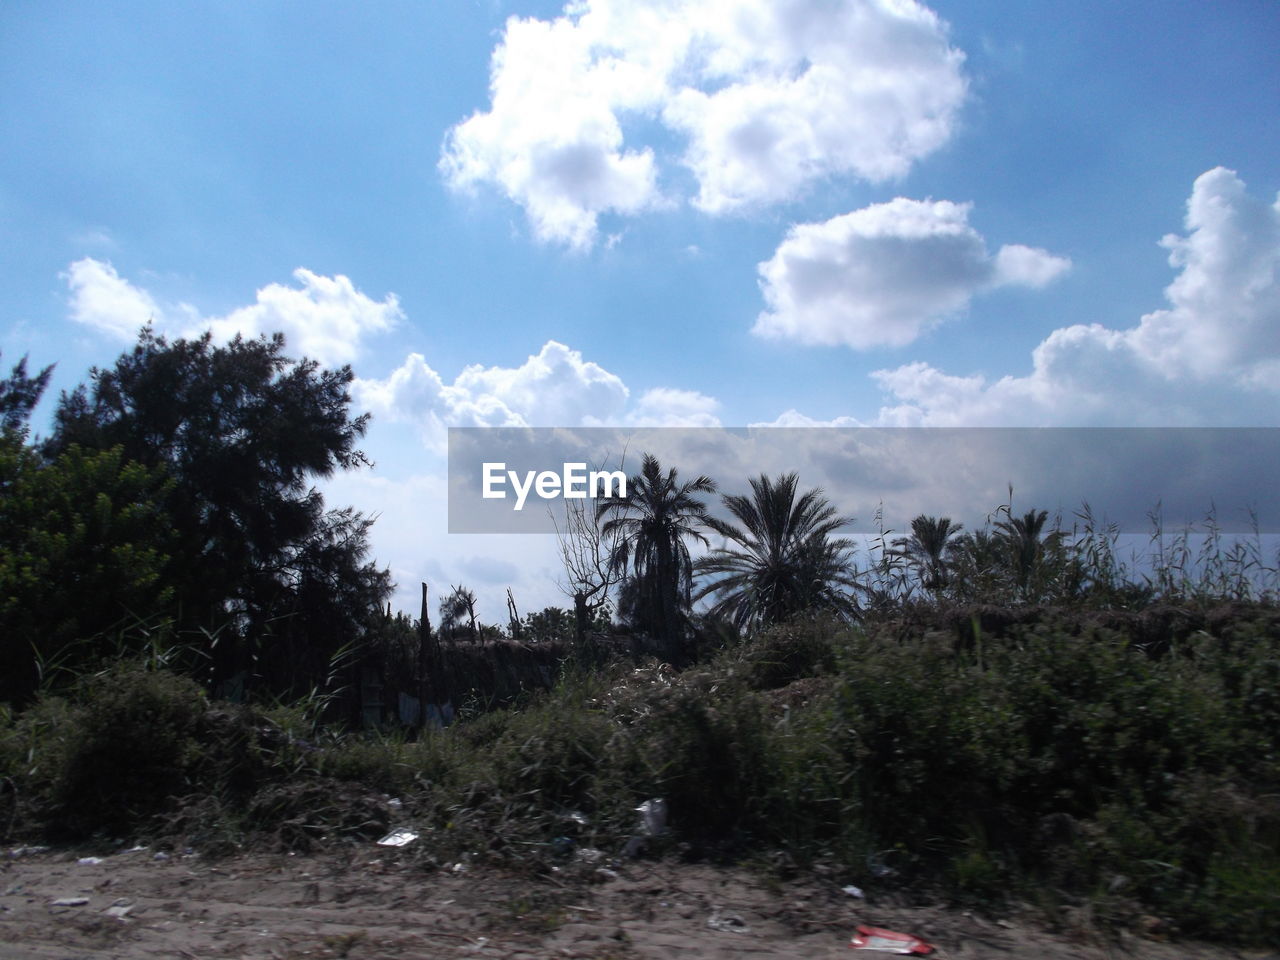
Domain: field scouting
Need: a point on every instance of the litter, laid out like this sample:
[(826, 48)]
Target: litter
[(89, 861), (889, 941), (653, 816), (727, 923), (119, 910), (17, 852), (853, 891), (588, 855), (70, 902), (398, 838)]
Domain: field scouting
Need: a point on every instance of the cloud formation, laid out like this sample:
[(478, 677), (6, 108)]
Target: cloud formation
[(555, 387), (1212, 357), (102, 299), (325, 318), (767, 97), (882, 275)]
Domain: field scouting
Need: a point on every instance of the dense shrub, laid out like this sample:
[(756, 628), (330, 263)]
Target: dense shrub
[(114, 755)]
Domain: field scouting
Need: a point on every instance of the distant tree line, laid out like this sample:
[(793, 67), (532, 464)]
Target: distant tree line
[(172, 513)]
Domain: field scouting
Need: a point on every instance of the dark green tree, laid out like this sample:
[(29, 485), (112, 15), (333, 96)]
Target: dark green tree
[(929, 550), (1027, 547), (785, 559), (85, 544), (458, 615), (243, 431), (654, 521), (19, 395)]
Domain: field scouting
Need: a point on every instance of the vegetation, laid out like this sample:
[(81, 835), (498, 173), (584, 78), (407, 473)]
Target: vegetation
[(1011, 712), (654, 521), (785, 561)]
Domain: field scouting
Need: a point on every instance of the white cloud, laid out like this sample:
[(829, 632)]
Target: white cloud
[(665, 407), (768, 97), (325, 319), (1212, 357), (796, 91), (102, 299), (881, 275), (794, 418), (553, 388)]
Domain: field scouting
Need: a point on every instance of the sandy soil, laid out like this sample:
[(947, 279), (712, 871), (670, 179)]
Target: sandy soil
[(373, 902)]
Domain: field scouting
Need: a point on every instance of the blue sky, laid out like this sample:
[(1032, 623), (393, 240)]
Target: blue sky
[(815, 211)]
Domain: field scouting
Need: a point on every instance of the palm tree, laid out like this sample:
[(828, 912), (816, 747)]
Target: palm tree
[(652, 522), (929, 549), (784, 561), (1022, 537)]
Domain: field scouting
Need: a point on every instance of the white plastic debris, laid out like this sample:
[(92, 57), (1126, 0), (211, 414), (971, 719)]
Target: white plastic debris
[(398, 838), (17, 852), (588, 855), (70, 902), (853, 891), (727, 922), (653, 816), (89, 861)]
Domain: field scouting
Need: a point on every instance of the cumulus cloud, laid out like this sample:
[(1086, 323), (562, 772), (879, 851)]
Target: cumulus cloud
[(766, 96), (105, 301), (1211, 357), (882, 275), (324, 319), (666, 407), (794, 418), (553, 388)]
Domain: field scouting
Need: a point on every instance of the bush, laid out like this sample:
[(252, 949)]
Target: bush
[(116, 753)]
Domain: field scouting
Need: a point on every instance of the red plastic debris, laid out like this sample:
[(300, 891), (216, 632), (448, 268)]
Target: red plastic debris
[(889, 941)]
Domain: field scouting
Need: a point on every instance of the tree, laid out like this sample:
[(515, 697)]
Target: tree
[(458, 614), (786, 560), (929, 550), (591, 574), (85, 544), (19, 395), (654, 520), (243, 431), (1026, 547)]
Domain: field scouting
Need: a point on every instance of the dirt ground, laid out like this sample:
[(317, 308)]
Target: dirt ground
[(374, 902)]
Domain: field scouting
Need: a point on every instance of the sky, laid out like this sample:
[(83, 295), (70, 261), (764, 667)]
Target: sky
[(657, 213)]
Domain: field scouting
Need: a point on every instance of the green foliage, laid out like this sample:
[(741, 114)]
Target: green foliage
[(19, 395), (785, 560), (652, 524), (116, 754), (789, 652), (85, 546), (243, 431)]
